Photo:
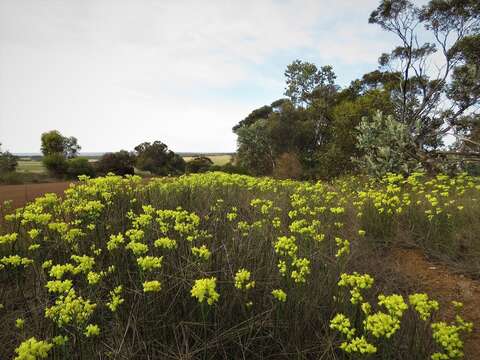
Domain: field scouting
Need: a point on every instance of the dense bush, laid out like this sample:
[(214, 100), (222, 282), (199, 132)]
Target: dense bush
[(198, 164), (119, 163), (229, 168), (79, 166), (386, 146), (228, 266), (158, 159), (56, 164), (8, 162)]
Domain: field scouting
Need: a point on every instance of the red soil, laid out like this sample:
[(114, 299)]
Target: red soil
[(21, 194), (443, 285)]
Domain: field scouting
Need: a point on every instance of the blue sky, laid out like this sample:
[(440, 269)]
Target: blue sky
[(115, 73)]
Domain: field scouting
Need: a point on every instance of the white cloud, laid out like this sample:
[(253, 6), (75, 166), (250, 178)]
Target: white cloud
[(118, 72)]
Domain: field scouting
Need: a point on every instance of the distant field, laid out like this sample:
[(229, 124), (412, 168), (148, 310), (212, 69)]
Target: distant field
[(36, 166), (217, 159)]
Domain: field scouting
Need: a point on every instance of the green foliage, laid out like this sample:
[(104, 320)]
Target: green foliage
[(56, 164), (335, 158), (254, 149), (304, 78), (158, 159), (198, 164), (8, 162), (57, 151), (79, 166), (53, 142), (451, 30), (386, 146), (119, 163), (319, 122)]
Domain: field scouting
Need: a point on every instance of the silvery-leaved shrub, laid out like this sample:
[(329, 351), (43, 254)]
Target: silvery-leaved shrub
[(387, 146)]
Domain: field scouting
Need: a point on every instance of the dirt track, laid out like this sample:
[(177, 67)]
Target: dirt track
[(21, 194), (444, 286)]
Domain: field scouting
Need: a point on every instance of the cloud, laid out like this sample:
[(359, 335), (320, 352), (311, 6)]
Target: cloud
[(170, 70)]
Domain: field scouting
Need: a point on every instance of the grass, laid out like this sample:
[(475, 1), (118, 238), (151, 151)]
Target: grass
[(34, 166), (217, 159), (227, 266)]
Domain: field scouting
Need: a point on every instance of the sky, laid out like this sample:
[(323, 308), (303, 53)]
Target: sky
[(115, 73)]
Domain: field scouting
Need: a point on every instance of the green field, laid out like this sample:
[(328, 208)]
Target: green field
[(217, 159), (34, 166)]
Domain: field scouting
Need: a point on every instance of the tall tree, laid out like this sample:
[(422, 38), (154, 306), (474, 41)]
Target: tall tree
[(255, 148), (304, 78), (53, 142), (432, 100)]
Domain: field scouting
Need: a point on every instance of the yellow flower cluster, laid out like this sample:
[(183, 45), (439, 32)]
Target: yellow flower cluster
[(32, 349), (165, 243), (115, 241), (115, 298), (75, 241), (15, 261), (343, 247), (70, 309), (423, 305), (202, 252), (342, 324), (92, 330), (381, 324), (448, 337), (152, 286), (356, 283), (205, 290), (242, 280), (58, 286), (149, 263), (8, 238), (359, 345), (280, 295)]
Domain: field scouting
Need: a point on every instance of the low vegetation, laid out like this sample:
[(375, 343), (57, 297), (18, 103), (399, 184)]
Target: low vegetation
[(231, 266)]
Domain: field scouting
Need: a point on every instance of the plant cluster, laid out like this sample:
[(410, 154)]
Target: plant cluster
[(226, 265)]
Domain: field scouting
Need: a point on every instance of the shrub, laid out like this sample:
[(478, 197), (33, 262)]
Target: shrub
[(80, 166), (386, 146), (229, 168), (8, 162), (198, 164), (158, 159), (119, 163), (216, 265), (56, 164)]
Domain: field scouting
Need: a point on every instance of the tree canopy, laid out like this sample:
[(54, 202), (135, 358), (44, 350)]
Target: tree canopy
[(325, 127)]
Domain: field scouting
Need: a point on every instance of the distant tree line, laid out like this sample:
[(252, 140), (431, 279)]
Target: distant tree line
[(395, 118), (60, 158)]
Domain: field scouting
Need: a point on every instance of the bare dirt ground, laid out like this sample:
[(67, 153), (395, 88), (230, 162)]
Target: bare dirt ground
[(21, 194), (445, 286)]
